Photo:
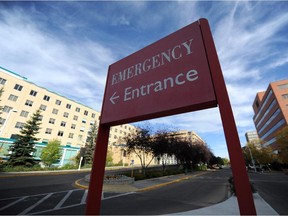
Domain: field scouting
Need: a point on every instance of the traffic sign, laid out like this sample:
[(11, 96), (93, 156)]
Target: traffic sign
[(168, 77), (177, 74)]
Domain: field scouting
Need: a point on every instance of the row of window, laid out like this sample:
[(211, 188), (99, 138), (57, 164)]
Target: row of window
[(283, 86), (273, 129), (266, 112), (2, 81), (269, 120), (285, 96), (20, 125), (34, 93), (44, 107), (263, 105)]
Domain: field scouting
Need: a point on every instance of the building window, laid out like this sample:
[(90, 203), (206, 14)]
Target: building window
[(85, 112), (75, 118), (77, 109), (52, 121), (13, 97), (19, 125), (45, 141), (82, 129), (283, 86), (29, 103), (73, 126), (2, 121), (58, 102), (84, 121), (80, 137), (33, 93), (55, 111), (48, 131), (71, 135), (46, 98), (24, 113), (63, 124), (7, 109), (274, 128), (266, 112), (66, 114), (60, 133), (68, 106), (43, 107), (257, 104), (91, 123), (18, 87), (93, 115), (285, 96), (2, 81)]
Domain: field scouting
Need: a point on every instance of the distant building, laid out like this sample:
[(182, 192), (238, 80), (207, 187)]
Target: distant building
[(252, 137), (271, 111), (190, 136)]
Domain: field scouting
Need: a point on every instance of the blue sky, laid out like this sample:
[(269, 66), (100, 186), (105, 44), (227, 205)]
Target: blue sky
[(67, 46)]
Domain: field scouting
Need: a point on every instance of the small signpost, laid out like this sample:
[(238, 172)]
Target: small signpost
[(179, 73)]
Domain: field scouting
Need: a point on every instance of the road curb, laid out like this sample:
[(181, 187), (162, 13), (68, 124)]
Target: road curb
[(77, 184), (41, 173), (168, 183)]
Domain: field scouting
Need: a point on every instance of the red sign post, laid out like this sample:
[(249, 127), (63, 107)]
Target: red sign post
[(179, 73)]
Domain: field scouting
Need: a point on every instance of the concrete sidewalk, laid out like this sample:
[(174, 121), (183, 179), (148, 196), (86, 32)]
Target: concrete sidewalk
[(228, 207)]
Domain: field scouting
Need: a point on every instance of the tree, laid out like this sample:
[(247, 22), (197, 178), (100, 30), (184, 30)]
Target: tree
[(90, 143), (162, 146), (190, 154), (261, 156), (109, 158), (282, 145), (23, 148), (140, 143), (52, 153)]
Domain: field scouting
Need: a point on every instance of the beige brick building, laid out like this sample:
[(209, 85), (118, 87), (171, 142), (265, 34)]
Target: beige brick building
[(62, 118)]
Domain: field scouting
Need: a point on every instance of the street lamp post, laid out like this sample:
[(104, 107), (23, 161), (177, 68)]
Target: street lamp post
[(252, 159), (8, 116)]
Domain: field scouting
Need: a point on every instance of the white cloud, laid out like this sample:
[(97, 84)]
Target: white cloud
[(37, 54)]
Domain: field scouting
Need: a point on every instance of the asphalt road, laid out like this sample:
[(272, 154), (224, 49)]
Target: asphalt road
[(56, 195), (37, 184), (194, 193), (273, 188)]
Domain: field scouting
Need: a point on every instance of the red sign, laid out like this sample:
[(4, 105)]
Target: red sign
[(168, 77)]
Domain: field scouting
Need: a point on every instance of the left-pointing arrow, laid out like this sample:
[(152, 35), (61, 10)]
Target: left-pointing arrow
[(113, 97)]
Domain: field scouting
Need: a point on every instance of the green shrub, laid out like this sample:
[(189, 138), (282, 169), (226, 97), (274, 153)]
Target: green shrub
[(69, 166)]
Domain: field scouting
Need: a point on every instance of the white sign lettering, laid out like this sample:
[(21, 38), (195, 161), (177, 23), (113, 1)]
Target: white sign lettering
[(172, 54)]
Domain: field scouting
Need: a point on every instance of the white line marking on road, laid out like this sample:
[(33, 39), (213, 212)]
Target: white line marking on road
[(119, 195), (36, 204), (13, 203), (63, 200), (83, 200)]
